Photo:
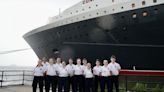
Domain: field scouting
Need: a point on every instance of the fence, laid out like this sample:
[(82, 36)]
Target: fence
[(129, 80), (15, 77)]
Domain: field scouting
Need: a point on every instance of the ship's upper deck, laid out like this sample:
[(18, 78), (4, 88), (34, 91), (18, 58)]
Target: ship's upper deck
[(84, 6), (89, 9)]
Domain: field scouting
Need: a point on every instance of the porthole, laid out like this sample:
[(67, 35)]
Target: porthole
[(89, 7), (83, 16), (154, 1), (70, 12), (113, 9), (143, 2), (82, 9), (104, 11), (112, 0), (96, 5), (133, 5), (90, 15), (122, 7), (97, 13), (76, 11), (134, 15), (144, 14)]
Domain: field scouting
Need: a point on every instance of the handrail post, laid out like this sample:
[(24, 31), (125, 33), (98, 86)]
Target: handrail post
[(2, 79), (126, 83), (23, 77)]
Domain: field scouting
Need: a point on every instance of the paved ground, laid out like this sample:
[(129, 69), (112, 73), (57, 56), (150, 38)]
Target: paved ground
[(16, 89)]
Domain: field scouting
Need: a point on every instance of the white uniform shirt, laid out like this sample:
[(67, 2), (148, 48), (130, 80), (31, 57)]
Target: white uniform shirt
[(38, 71), (51, 70), (84, 67), (78, 70), (63, 72), (45, 65), (114, 68), (70, 68), (97, 70), (88, 73), (105, 71)]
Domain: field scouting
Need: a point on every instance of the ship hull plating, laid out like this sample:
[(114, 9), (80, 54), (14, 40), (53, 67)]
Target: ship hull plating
[(135, 37)]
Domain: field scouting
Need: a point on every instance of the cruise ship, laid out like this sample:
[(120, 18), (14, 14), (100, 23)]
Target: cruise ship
[(133, 30)]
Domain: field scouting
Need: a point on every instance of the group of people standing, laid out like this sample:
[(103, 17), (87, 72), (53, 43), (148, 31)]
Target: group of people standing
[(78, 77)]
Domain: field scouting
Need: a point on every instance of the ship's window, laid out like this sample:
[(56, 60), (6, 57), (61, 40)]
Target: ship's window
[(112, 0), (154, 1), (112, 9), (96, 5), (156, 11), (83, 16), (70, 12), (89, 7), (76, 11), (89, 14), (143, 2), (97, 13), (104, 11), (82, 9), (134, 15), (122, 7), (144, 13), (133, 5)]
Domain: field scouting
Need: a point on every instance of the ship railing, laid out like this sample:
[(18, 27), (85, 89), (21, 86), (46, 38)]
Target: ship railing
[(129, 80)]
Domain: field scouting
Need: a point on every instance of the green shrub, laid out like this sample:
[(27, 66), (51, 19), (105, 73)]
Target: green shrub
[(139, 87), (156, 89), (162, 89)]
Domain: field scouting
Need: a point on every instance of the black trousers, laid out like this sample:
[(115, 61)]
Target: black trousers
[(78, 83), (71, 83), (63, 83), (114, 81), (83, 84), (96, 82), (51, 81), (89, 85), (103, 82), (37, 80)]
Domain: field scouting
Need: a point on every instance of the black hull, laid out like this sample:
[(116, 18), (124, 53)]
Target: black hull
[(136, 41)]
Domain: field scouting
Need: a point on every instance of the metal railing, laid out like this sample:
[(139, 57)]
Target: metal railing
[(127, 82), (15, 77)]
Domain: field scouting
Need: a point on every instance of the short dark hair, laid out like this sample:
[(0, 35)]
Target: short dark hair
[(113, 56)]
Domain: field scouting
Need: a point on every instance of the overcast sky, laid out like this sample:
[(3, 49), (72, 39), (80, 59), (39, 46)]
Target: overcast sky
[(17, 17)]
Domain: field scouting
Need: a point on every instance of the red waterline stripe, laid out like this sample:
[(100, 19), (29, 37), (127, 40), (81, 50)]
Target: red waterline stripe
[(142, 72)]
